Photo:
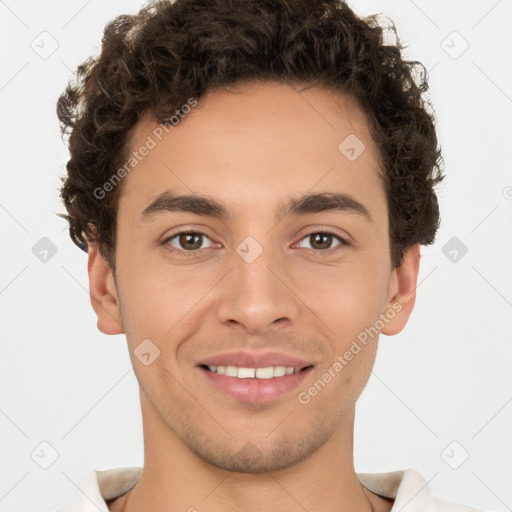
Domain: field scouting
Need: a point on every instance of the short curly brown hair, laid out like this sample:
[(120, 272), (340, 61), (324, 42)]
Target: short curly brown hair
[(168, 52)]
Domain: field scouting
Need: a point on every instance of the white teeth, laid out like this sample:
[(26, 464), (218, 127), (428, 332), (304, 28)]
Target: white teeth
[(265, 373), (246, 373), (231, 371), (250, 373), (279, 371)]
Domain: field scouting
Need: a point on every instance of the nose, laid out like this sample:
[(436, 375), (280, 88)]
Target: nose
[(256, 296)]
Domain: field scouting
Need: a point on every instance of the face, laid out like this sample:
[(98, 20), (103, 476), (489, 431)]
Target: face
[(275, 264)]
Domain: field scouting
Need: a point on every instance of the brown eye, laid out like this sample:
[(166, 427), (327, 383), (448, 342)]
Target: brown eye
[(187, 241), (322, 241), (190, 241)]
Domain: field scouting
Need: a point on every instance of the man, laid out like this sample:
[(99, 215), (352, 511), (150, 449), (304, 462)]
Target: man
[(252, 181)]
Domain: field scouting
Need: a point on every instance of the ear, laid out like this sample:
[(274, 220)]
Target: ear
[(402, 291), (103, 293)]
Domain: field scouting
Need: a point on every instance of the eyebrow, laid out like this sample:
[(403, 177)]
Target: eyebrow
[(206, 206), (327, 201), (192, 203)]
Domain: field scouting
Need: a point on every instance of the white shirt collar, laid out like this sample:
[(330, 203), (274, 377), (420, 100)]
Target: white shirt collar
[(407, 487)]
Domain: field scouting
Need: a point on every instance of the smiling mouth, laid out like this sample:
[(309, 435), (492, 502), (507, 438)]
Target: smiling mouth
[(256, 384), (269, 372)]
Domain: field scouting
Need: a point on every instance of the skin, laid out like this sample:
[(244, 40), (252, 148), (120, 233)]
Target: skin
[(252, 150)]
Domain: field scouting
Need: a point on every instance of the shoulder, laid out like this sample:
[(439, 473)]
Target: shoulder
[(410, 492), (100, 487)]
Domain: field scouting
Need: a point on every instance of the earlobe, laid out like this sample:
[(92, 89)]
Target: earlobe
[(103, 293), (402, 292)]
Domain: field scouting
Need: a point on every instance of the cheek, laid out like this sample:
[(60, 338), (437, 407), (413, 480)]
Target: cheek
[(346, 298), (159, 300)]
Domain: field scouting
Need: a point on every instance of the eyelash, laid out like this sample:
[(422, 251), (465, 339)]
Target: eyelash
[(322, 252)]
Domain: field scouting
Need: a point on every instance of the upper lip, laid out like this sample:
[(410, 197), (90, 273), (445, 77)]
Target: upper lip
[(244, 359)]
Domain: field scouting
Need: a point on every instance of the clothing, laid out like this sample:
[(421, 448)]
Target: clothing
[(407, 487)]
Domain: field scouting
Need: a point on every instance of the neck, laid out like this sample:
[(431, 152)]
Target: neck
[(175, 478)]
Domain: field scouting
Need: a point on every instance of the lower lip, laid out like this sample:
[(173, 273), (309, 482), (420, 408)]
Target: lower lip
[(255, 391)]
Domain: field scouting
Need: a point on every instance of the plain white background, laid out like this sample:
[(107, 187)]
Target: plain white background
[(441, 390)]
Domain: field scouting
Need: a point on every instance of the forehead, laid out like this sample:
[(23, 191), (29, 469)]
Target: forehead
[(257, 142)]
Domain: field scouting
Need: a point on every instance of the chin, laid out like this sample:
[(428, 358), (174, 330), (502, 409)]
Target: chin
[(258, 457)]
